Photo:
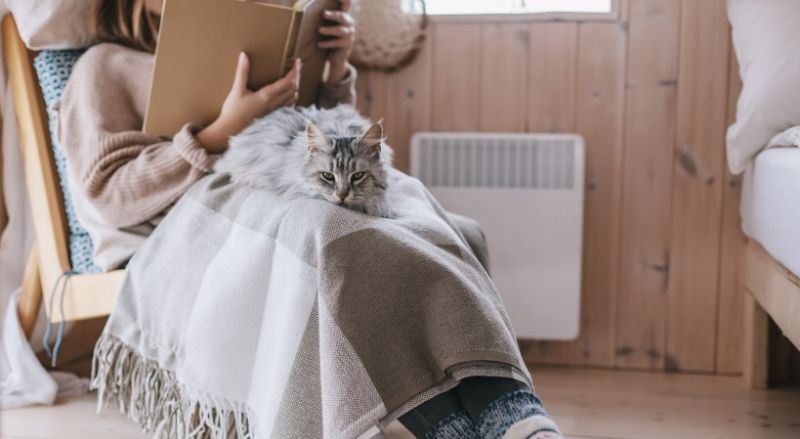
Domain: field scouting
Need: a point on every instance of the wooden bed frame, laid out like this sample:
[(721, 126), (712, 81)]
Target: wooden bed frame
[(770, 291), (86, 295)]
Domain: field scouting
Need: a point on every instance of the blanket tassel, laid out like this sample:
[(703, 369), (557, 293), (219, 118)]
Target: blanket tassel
[(153, 397)]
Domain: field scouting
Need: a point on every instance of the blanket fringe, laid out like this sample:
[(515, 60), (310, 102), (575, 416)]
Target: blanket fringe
[(154, 398)]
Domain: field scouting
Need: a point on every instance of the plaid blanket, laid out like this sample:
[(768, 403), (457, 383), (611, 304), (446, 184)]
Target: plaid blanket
[(248, 315)]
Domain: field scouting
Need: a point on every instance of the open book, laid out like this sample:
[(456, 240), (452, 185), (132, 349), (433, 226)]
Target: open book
[(199, 43)]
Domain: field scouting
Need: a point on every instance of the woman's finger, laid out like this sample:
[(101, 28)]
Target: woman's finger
[(288, 97), (340, 17), (290, 100), (277, 91), (294, 73), (242, 71), (337, 31), (276, 94), (290, 80), (336, 44)]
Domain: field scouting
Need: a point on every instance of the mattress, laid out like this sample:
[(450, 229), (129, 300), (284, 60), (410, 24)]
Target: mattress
[(770, 205)]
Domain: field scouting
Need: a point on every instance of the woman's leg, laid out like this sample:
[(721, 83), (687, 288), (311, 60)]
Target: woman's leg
[(440, 417), (473, 233), (505, 408), (485, 408)]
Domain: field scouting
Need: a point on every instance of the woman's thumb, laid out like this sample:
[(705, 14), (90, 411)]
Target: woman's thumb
[(242, 71)]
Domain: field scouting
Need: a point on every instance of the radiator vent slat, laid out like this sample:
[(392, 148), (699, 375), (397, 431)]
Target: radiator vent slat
[(487, 162)]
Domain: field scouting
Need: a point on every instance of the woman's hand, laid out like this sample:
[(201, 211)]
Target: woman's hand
[(242, 105), (343, 34)]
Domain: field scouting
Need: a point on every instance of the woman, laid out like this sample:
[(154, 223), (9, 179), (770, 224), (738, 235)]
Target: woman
[(124, 181)]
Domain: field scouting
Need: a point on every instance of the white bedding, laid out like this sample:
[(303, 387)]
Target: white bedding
[(764, 36), (770, 205)]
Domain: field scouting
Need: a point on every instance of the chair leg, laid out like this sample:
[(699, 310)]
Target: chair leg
[(756, 326), (30, 300)]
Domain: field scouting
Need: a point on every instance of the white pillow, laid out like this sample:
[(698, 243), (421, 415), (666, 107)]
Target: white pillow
[(53, 24), (765, 36)]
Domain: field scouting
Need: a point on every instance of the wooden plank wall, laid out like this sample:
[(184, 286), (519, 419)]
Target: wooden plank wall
[(3, 211), (652, 92)]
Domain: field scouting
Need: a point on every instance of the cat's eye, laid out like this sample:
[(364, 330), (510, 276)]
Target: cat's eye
[(357, 176), (328, 176)]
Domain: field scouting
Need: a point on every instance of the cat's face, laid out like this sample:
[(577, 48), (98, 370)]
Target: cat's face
[(345, 170)]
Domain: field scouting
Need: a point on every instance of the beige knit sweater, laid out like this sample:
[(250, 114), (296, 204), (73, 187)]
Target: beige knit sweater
[(122, 179)]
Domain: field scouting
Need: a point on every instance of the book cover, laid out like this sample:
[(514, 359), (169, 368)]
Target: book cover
[(199, 43)]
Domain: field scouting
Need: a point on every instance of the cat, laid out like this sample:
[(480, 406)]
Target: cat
[(333, 154)]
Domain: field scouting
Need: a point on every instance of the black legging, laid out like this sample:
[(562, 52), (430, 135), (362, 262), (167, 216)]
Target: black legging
[(472, 395)]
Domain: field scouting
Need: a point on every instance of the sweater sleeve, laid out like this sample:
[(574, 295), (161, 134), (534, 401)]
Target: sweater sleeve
[(128, 176), (342, 93)]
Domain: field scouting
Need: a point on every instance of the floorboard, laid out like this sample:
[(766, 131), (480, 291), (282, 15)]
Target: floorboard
[(587, 404)]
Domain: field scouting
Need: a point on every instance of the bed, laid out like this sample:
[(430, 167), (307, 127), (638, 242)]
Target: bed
[(770, 210), (764, 143)]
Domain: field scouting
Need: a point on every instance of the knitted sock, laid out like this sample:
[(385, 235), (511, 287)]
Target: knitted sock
[(509, 410), (534, 427), (455, 426), (482, 407)]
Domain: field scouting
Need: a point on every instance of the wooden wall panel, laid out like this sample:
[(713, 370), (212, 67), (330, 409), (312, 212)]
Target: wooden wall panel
[(409, 91), (697, 187), (652, 69), (599, 117), (456, 77), (662, 232), (371, 94), (551, 77), (551, 83), (503, 90), (3, 211), (730, 312), (649, 93)]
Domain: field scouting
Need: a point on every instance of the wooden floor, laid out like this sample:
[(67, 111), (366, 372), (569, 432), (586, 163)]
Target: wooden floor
[(586, 403)]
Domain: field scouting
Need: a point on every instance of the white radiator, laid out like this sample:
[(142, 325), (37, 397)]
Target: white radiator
[(527, 192)]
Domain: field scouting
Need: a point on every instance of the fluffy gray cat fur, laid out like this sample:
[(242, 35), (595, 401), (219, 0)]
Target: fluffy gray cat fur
[(290, 150)]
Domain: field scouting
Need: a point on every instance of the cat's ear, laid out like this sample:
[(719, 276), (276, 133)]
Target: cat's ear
[(373, 137), (316, 138)]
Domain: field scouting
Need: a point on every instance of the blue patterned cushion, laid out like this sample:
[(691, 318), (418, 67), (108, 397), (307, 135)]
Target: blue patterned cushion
[(54, 68)]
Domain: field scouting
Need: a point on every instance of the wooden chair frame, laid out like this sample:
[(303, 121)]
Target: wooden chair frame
[(86, 295)]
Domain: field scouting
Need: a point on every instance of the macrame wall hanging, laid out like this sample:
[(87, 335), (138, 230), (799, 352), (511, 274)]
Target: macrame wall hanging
[(389, 33)]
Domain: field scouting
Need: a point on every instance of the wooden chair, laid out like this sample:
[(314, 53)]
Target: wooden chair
[(86, 295)]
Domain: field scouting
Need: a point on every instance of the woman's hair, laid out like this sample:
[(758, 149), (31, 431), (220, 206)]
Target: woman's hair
[(126, 22)]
